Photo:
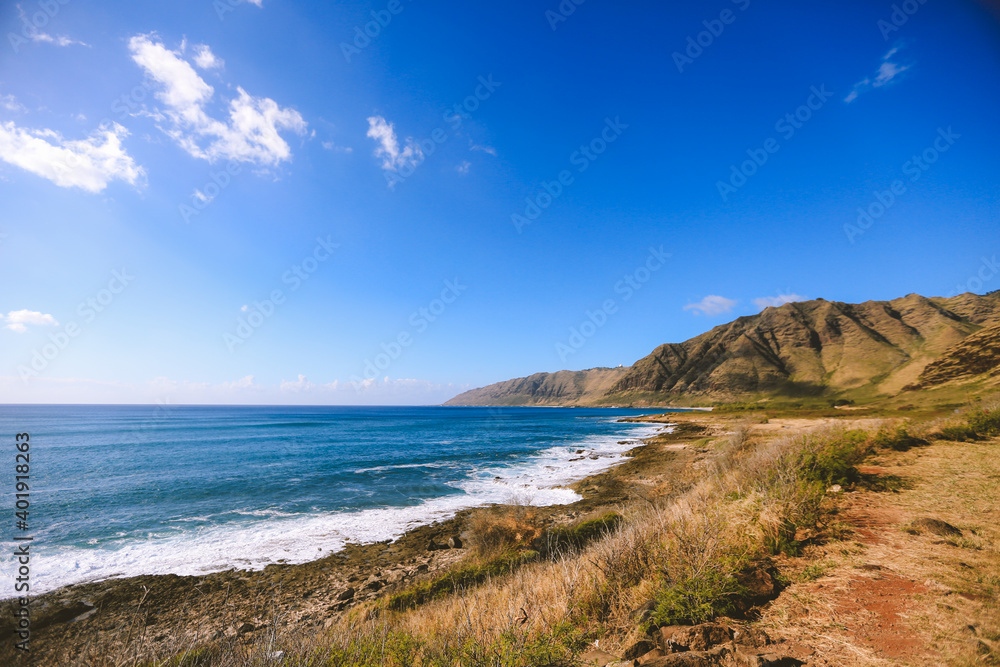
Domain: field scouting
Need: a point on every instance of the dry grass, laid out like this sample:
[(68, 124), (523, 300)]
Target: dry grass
[(684, 552)]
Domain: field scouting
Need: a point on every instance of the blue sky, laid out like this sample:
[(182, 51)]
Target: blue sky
[(389, 202)]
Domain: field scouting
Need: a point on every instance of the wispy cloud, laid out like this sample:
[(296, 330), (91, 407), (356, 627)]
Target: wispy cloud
[(36, 35), (887, 71), (10, 103), (89, 164), (388, 150), (775, 301), (330, 146), (486, 149), (17, 320), (252, 132), (464, 167), (712, 305)]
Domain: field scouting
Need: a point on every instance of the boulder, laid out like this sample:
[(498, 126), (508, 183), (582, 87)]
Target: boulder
[(681, 638), (455, 542), (346, 595), (641, 647), (595, 657), (937, 527)]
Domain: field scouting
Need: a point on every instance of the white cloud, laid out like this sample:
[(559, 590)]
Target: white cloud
[(205, 59), (243, 383), (486, 149), (17, 319), (302, 384), (712, 305), (10, 103), (252, 132), (887, 71), (245, 391), (464, 167), (393, 158), (258, 3), (89, 164), (775, 301), (36, 35), (330, 146), (205, 199)]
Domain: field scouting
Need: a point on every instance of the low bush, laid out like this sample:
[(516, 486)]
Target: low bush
[(563, 538), (458, 579), (696, 599), (985, 421), (497, 531)]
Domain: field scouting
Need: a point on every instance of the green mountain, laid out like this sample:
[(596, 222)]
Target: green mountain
[(805, 349)]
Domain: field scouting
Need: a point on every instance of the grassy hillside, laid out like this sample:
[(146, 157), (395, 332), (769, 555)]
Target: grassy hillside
[(813, 351)]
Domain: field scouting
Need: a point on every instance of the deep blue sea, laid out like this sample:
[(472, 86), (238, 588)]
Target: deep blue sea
[(126, 490)]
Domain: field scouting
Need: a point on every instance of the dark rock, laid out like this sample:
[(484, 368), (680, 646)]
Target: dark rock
[(765, 660), (937, 527), (374, 585), (760, 584), (681, 638), (347, 594), (649, 657), (718, 656), (595, 657), (641, 647), (245, 628), (750, 637), (434, 546), (455, 542)]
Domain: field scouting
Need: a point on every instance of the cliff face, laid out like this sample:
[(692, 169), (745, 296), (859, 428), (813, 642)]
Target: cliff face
[(799, 349), (545, 389), (976, 357), (813, 347)]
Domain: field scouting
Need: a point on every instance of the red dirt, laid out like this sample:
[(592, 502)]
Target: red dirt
[(872, 608)]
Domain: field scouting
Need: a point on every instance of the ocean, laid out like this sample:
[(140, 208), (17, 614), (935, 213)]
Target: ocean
[(126, 490)]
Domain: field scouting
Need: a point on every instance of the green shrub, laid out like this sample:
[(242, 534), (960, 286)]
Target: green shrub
[(463, 577), (898, 439), (562, 538), (696, 599), (958, 433), (833, 462), (985, 422)]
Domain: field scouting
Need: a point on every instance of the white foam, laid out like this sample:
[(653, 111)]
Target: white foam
[(273, 536)]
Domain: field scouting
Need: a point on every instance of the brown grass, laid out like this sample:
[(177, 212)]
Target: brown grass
[(762, 494)]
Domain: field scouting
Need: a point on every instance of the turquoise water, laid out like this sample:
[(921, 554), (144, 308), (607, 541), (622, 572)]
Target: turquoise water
[(127, 490)]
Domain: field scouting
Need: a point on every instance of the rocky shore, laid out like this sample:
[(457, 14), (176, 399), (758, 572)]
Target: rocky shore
[(153, 616)]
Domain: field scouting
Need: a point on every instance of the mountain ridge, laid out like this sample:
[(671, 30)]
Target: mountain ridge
[(802, 349)]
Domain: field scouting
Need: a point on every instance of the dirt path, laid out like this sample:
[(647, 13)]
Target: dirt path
[(893, 590)]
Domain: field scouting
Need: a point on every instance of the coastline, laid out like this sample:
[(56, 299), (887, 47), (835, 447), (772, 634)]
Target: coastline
[(172, 610)]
